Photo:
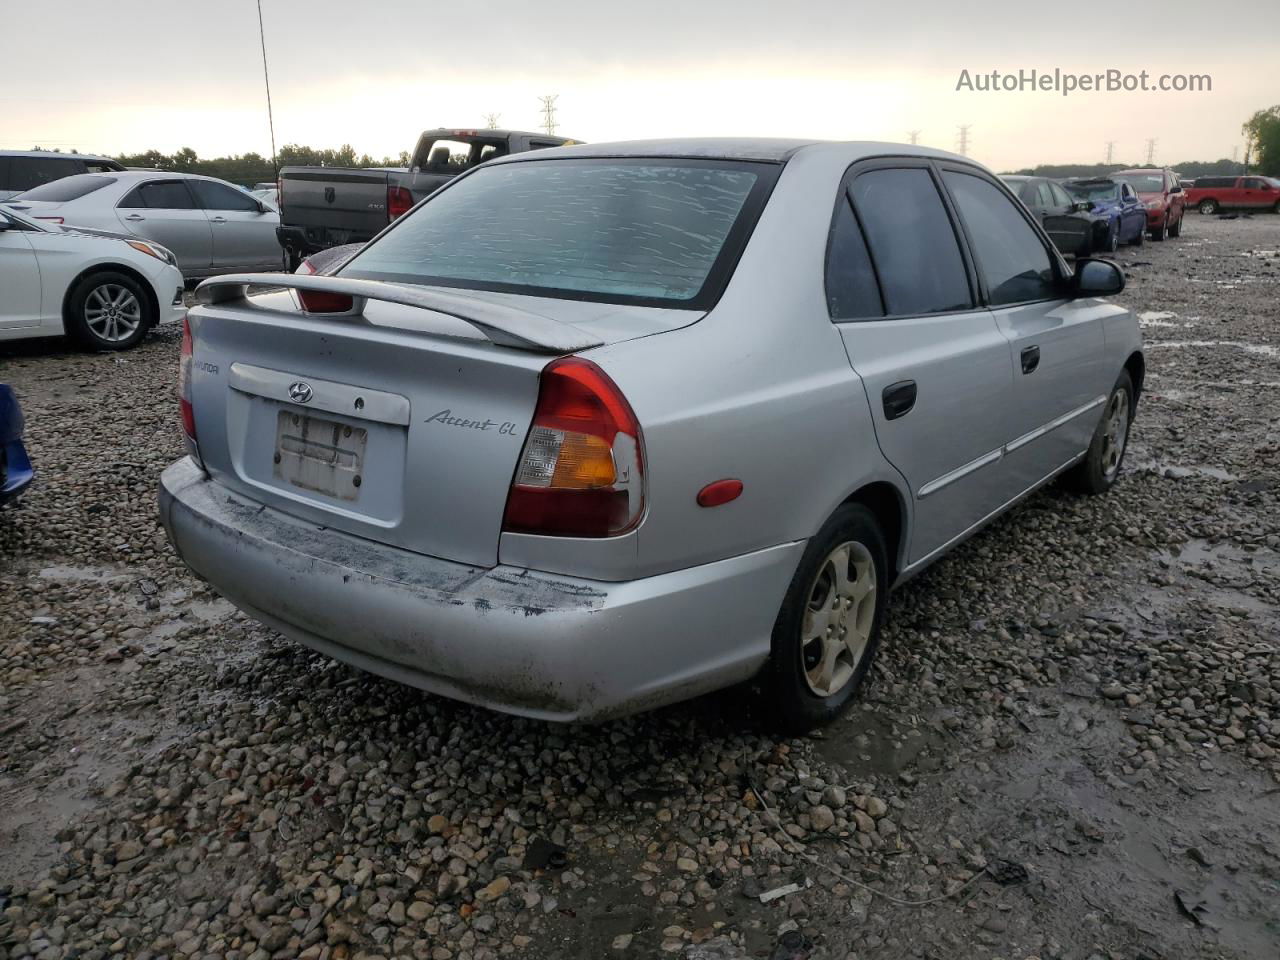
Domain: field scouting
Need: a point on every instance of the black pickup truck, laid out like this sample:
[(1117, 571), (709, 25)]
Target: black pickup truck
[(322, 207)]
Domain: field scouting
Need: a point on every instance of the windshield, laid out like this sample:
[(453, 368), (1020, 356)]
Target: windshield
[(1094, 191), (1144, 182), (651, 231), (68, 188)]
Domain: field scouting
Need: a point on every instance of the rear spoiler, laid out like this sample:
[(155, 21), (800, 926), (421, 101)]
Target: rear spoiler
[(504, 325)]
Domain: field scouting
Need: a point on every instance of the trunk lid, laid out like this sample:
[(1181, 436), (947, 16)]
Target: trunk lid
[(334, 205), (398, 424)]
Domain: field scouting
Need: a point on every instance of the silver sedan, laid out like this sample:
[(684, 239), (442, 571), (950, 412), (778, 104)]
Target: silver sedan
[(599, 428), (210, 225)]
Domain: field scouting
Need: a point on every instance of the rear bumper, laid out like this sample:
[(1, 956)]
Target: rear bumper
[(304, 241), (535, 644)]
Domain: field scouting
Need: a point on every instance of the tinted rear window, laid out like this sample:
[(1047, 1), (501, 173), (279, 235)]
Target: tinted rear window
[(28, 172), (627, 231), (69, 188), (1144, 182)]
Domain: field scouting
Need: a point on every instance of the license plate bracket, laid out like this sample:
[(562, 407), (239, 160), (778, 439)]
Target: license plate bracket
[(320, 455)]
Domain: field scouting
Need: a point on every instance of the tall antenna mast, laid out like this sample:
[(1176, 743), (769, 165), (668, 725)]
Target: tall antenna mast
[(914, 136), (1151, 152), (549, 113), (1111, 151), (963, 139), (491, 120), (266, 79)]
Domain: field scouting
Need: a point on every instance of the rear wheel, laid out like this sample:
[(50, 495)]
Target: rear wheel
[(1175, 229), (828, 628), (1161, 232), (1113, 239), (1098, 471), (1140, 237), (109, 311), (1208, 207)]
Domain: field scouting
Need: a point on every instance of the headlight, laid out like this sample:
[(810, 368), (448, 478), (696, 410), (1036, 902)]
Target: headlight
[(1154, 204), (153, 250)]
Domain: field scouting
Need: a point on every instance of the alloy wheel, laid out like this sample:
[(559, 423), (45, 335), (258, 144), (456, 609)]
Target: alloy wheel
[(1115, 432), (112, 312), (838, 618)]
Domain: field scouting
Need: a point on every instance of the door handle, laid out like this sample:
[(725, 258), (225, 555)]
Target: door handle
[(217, 219), (898, 399), (135, 217), (1030, 359)]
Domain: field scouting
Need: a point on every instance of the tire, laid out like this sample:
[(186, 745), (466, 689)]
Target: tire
[(1100, 468), (1140, 237), (1113, 239), (1276, 208), (1162, 233), (810, 681), (1208, 207), (109, 310), (1175, 229)]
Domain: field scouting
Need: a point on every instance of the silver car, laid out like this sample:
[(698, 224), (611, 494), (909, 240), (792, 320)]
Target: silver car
[(210, 225), (600, 428)]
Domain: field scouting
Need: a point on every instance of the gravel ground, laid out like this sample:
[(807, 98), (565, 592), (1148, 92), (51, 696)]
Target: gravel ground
[(1067, 749)]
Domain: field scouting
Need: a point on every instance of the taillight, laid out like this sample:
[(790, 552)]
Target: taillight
[(399, 200), (184, 393), (581, 473), (306, 267), (50, 219), (318, 301)]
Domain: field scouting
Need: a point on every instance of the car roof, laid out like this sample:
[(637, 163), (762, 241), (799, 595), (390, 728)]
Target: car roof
[(1140, 170), (53, 153), (130, 176), (776, 150), (1090, 180)]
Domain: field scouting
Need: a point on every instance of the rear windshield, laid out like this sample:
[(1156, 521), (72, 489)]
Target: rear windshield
[(648, 231), (1094, 191), (69, 188), (1144, 182)]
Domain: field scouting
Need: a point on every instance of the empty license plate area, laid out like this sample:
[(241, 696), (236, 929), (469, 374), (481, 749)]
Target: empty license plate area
[(323, 456)]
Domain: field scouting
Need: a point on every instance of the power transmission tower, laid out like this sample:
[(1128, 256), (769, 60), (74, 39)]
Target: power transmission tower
[(1111, 151), (549, 113), (1151, 151), (963, 139), (914, 135), (491, 120)]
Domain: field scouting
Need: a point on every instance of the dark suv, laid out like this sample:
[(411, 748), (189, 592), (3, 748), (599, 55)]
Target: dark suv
[(24, 169)]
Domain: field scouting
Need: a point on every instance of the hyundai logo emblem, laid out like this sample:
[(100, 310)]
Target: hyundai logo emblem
[(300, 392), (329, 194)]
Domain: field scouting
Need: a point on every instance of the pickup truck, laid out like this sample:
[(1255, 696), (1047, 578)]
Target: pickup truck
[(322, 207)]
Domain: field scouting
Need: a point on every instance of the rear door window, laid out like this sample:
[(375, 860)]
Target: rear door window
[(69, 188), (26, 173), (912, 243), (1011, 257), (1044, 196), (218, 196), (1060, 196), (852, 290), (160, 195)]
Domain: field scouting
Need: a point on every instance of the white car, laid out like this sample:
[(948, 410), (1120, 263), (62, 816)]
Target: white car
[(105, 290), (211, 226)]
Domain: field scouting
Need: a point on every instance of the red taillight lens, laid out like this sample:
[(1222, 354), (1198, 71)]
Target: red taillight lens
[(314, 301), (184, 392), (399, 200), (50, 219), (581, 472), (306, 267)]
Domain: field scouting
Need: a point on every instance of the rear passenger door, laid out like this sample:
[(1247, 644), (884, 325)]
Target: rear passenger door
[(1057, 348), (166, 212), (933, 363)]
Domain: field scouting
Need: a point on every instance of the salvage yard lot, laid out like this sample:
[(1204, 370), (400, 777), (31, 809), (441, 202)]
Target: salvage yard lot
[(1070, 744)]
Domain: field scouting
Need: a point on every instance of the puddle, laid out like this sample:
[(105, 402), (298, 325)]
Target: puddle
[(1177, 471), (1157, 318), (870, 743), (1262, 349)]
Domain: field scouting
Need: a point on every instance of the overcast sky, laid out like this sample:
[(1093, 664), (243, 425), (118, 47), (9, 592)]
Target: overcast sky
[(128, 75)]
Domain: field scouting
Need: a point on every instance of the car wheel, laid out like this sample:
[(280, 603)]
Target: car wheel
[(109, 311), (1162, 233), (1140, 237), (1208, 207), (1175, 229), (828, 628), (1113, 238), (1098, 471), (1276, 208)]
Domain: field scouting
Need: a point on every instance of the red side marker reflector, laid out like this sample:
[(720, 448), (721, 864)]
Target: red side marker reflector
[(722, 491)]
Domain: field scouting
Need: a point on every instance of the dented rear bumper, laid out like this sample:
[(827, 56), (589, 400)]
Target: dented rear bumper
[(536, 644)]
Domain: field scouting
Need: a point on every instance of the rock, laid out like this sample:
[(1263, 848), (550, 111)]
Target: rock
[(822, 817), (494, 890)]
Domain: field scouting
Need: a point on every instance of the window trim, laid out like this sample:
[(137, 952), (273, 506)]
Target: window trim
[(1059, 265), (867, 165)]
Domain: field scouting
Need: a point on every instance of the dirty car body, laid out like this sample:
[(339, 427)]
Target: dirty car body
[(573, 479)]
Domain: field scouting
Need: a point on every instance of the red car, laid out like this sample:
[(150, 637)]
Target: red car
[(1161, 193), (1211, 194)]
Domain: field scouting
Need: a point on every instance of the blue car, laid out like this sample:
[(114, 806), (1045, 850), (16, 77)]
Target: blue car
[(15, 468), (1122, 215)]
